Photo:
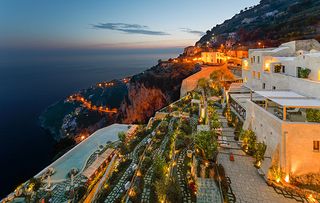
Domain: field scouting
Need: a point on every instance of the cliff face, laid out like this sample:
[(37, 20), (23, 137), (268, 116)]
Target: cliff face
[(152, 90), (141, 103)]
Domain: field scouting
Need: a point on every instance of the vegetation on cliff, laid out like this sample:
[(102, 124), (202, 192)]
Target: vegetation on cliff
[(271, 22)]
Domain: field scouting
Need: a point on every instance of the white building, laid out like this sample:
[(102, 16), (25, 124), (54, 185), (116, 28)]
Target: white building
[(277, 68), (282, 106), (213, 57)]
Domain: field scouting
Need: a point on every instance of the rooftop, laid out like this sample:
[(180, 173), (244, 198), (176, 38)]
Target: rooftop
[(279, 94)]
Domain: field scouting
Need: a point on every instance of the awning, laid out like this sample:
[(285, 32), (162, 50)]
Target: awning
[(300, 103), (290, 99), (88, 172), (279, 94)]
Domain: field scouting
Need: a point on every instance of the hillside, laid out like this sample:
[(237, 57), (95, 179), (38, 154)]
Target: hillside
[(271, 22)]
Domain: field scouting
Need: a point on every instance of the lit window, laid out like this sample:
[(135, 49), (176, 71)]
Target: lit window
[(253, 74), (316, 145), (319, 75), (259, 75), (267, 67)]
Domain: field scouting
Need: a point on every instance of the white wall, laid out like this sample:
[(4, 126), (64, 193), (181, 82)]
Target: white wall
[(289, 144)]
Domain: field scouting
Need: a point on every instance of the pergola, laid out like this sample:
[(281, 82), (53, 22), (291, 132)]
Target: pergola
[(289, 99), (88, 172)]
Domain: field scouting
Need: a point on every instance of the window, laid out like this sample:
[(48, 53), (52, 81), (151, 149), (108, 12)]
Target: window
[(254, 59), (251, 60), (263, 85), (253, 74), (273, 87), (258, 59), (283, 69), (259, 75), (316, 145)]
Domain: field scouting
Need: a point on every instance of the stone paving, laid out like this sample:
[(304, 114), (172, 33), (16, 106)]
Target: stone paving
[(147, 185), (247, 185), (186, 196), (208, 191)]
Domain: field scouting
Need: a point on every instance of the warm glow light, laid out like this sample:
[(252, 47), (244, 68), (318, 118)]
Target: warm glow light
[(287, 179), (278, 180), (311, 198), (259, 163), (138, 173), (245, 64), (267, 67), (83, 137)]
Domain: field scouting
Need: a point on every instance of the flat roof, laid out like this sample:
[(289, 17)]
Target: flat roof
[(238, 87), (290, 99), (279, 94), (88, 172), (308, 103), (242, 99)]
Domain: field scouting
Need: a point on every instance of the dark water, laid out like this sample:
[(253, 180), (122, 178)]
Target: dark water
[(32, 80)]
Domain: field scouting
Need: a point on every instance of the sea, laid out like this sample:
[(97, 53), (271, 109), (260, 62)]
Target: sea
[(31, 80)]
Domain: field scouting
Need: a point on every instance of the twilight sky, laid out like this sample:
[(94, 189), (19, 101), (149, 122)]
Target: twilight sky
[(111, 23)]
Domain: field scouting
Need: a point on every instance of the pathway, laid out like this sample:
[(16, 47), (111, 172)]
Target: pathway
[(208, 191), (186, 196), (247, 185)]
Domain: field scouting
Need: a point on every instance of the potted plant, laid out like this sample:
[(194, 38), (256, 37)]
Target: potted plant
[(303, 72)]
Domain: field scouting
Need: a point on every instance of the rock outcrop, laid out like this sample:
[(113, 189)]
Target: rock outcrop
[(153, 90)]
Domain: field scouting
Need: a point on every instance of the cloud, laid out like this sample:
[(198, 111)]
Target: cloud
[(129, 28), (196, 32)]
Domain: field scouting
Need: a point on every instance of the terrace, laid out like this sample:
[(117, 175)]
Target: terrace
[(289, 106), (78, 156)]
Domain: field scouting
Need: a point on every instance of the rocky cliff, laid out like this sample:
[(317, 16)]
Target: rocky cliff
[(153, 89)]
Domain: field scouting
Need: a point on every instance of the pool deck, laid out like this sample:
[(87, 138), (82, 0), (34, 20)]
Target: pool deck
[(78, 156)]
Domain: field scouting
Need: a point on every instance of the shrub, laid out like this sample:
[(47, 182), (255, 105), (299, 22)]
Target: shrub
[(303, 72), (249, 141), (238, 130), (260, 150), (146, 164), (313, 115)]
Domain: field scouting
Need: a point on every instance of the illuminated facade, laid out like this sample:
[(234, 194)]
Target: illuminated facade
[(285, 82), (213, 57)]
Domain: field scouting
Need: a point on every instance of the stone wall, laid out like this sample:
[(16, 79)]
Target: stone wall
[(300, 157), (191, 82), (289, 144)]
